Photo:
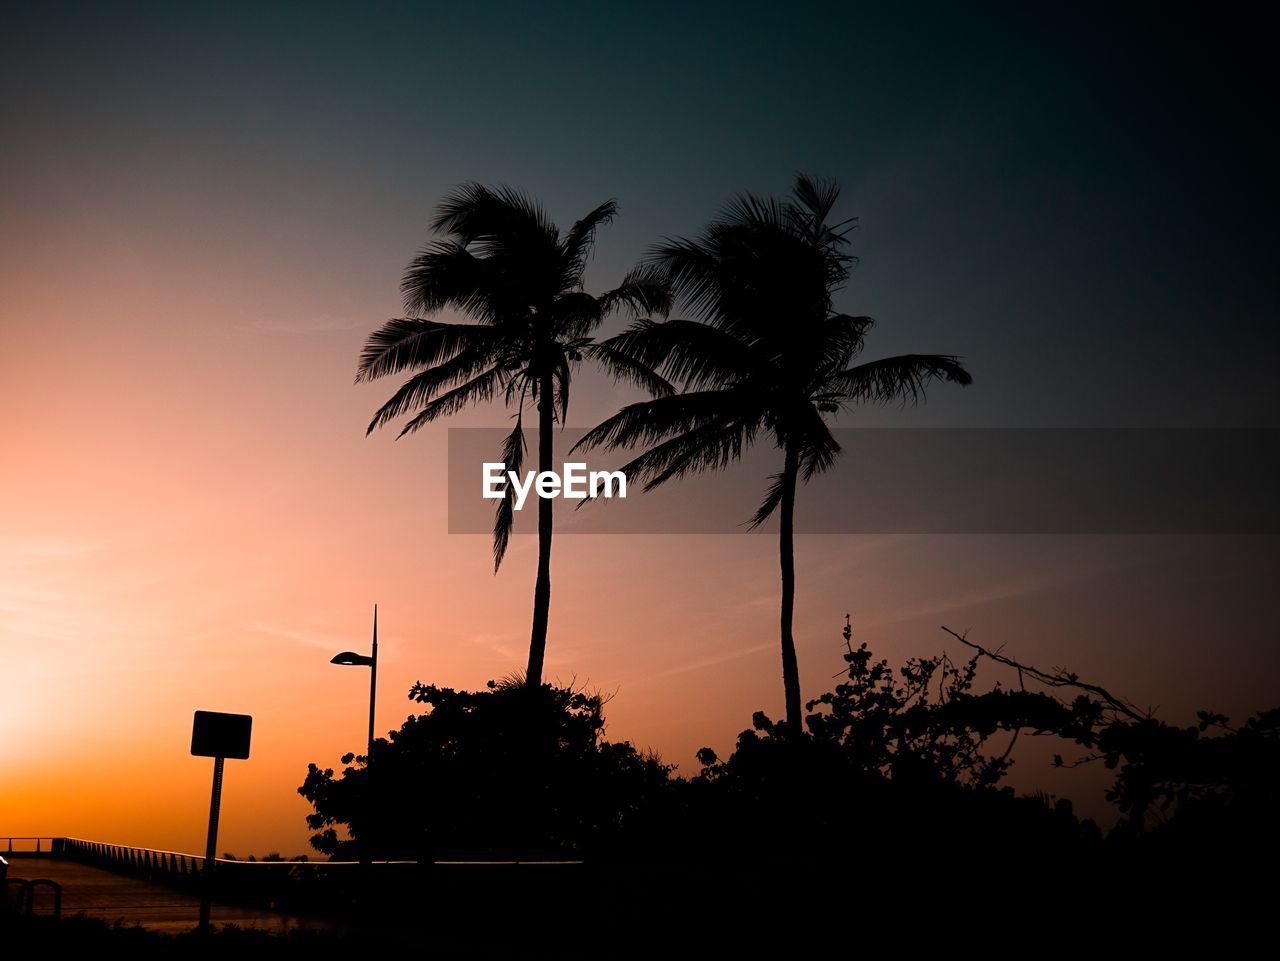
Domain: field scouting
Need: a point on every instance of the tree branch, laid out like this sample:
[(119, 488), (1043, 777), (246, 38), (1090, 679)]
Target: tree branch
[(1057, 678)]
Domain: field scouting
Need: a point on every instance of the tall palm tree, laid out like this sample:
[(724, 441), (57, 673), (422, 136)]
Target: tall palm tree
[(500, 260), (763, 353)]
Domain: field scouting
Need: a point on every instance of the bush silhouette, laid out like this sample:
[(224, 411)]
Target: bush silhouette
[(510, 771), (894, 761)]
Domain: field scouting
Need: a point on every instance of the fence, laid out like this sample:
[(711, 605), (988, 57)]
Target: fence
[(331, 889), (32, 846)]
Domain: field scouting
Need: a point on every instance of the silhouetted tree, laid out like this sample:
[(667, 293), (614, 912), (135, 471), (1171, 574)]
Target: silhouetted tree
[(1210, 785), (505, 264), (902, 761), (272, 857), (764, 353), (507, 771)]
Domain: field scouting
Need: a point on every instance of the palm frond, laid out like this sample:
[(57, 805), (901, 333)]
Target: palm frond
[(513, 683), (817, 196), (481, 388), (846, 333), (695, 354), (409, 343), (580, 238), (577, 314), (693, 276), (445, 273), (476, 213), (818, 447), (650, 421), (626, 368), (645, 291), (421, 388), (513, 451), (514, 249), (772, 498), (748, 209), (711, 446), (902, 378)]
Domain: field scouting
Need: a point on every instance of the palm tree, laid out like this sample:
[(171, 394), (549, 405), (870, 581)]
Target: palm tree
[(764, 353), (502, 262)]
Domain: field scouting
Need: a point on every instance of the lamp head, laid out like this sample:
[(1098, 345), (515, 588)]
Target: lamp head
[(352, 659)]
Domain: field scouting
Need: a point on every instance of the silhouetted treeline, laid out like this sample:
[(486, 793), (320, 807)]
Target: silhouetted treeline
[(505, 772), (272, 857), (514, 771)]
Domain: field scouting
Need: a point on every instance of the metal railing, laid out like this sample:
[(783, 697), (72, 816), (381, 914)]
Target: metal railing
[(158, 864), (149, 862), (314, 887), (32, 846), (322, 889)]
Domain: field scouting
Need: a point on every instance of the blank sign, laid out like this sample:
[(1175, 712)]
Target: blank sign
[(221, 735)]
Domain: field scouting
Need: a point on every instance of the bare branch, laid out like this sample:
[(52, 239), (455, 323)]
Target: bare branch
[(1057, 678)]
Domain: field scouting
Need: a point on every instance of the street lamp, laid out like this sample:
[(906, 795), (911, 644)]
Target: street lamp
[(352, 659)]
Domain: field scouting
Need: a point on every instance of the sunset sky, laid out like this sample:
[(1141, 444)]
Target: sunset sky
[(203, 213)]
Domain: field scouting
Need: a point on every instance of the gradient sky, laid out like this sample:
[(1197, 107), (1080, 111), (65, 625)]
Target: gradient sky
[(203, 211)]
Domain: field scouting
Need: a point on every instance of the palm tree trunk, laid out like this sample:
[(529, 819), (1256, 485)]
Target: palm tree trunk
[(787, 561), (542, 588)]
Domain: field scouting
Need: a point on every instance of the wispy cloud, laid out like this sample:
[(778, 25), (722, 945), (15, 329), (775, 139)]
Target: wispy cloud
[(713, 661), (1008, 589), (18, 552), (311, 638), (502, 644)]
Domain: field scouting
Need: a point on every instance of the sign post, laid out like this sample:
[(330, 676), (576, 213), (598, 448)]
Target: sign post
[(218, 736)]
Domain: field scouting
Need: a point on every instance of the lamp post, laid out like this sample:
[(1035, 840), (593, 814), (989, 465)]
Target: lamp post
[(352, 659)]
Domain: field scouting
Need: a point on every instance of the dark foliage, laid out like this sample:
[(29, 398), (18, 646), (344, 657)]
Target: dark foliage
[(1205, 786), (500, 261), (272, 857), (895, 762), (510, 771)]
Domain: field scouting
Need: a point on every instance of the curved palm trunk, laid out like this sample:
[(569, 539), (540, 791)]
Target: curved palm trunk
[(787, 562), (542, 587)]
